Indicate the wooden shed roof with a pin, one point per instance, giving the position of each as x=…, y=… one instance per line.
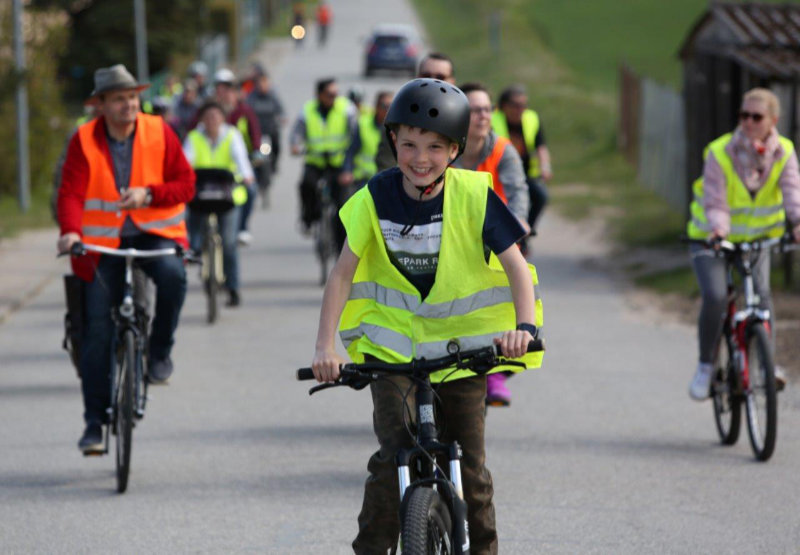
x=763, y=37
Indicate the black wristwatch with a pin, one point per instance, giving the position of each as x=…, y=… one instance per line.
x=530, y=328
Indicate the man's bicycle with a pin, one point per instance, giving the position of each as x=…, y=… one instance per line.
x=213, y=196
x=433, y=513
x=129, y=375
x=744, y=368
x=325, y=245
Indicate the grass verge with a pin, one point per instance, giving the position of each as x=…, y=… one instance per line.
x=13, y=221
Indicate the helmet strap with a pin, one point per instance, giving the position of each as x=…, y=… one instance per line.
x=423, y=190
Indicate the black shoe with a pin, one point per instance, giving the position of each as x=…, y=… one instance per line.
x=159, y=371
x=233, y=298
x=91, y=442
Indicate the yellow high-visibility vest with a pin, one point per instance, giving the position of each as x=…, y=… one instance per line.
x=751, y=218
x=470, y=301
x=530, y=127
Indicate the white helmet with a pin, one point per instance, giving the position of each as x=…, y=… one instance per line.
x=224, y=75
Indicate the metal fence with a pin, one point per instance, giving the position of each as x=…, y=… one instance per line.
x=652, y=136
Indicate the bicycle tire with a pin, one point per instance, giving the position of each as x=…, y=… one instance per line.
x=725, y=392
x=211, y=285
x=123, y=417
x=762, y=400
x=426, y=524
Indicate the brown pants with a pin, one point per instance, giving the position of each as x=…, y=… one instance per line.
x=462, y=420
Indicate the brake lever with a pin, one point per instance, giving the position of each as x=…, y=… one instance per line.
x=322, y=386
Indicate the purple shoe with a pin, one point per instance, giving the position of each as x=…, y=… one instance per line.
x=497, y=394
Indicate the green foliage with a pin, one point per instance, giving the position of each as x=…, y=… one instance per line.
x=103, y=34
x=47, y=122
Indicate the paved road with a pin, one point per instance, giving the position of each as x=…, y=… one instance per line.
x=601, y=452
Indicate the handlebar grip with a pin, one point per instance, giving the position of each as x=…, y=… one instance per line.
x=534, y=346
x=305, y=374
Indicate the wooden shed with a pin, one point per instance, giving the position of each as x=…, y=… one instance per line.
x=732, y=48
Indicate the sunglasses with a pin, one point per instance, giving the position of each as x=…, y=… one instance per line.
x=756, y=117
x=439, y=76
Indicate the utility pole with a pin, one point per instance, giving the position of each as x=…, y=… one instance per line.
x=23, y=164
x=140, y=20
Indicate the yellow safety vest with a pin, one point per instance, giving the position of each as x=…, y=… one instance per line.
x=206, y=157
x=470, y=300
x=751, y=218
x=244, y=128
x=327, y=135
x=530, y=127
x=365, y=165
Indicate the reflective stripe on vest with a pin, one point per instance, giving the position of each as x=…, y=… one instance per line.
x=751, y=218
x=102, y=220
x=470, y=301
x=491, y=163
x=530, y=128
x=365, y=165
x=221, y=157
x=328, y=135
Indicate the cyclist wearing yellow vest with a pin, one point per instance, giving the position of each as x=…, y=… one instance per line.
x=324, y=131
x=413, y=275
x=240, y=115
x=515, y=121
x=750, y=185
x=361, y=154
x=215, y=144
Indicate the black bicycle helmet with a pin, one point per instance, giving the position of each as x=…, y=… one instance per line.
x=430, y=104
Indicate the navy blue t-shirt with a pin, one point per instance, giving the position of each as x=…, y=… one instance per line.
x=416, y=254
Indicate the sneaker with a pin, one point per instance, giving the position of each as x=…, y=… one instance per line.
x=780, y=378
x=91, y=442
x=234, y=299
x=244, y=238
x=497, y=393
x=159, y=371
x=700, y=388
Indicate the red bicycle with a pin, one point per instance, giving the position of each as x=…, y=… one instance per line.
x=744, y=368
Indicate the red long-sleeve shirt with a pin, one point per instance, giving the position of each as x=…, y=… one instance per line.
x=178, y=186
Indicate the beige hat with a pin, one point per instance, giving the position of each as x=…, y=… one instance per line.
x=114, y=78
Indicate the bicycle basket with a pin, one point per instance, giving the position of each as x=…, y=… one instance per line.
x=213, y=191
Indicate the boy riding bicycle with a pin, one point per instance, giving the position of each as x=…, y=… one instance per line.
x=413, y=275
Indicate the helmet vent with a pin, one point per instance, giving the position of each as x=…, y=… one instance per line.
x=414, y=108
x=423, y=85
x=433, y=112
x=442, y=89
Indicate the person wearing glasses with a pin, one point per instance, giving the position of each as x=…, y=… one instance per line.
x=750, y=185
x=515, y=121
x=486, y=152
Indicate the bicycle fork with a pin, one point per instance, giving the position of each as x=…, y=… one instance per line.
x=429, y=447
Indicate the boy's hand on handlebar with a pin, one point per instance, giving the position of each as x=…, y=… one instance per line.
x=514, y=343
x=326, y=365
x=66, y=241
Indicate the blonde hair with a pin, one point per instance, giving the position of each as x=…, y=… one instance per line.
x=767, y=97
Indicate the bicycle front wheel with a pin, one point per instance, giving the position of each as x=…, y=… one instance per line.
x=426, y=524
x=725, y=392
x=123, y=414
x=762, y=401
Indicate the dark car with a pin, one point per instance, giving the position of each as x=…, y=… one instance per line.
x=392, y=47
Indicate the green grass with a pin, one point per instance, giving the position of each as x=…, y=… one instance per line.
x=12, y=220
x=567, y=53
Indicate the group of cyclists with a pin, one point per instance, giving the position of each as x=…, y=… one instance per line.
x=439, y=191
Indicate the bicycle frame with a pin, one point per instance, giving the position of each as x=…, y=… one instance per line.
x=738, y=322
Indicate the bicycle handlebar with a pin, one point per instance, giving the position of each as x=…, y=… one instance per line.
x=479, y=361
x=80, y=249
x=785, y=243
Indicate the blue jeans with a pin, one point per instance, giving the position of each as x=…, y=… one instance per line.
x=247, y=207
x=103, y=295
x=538, y=195
x=228, y=223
